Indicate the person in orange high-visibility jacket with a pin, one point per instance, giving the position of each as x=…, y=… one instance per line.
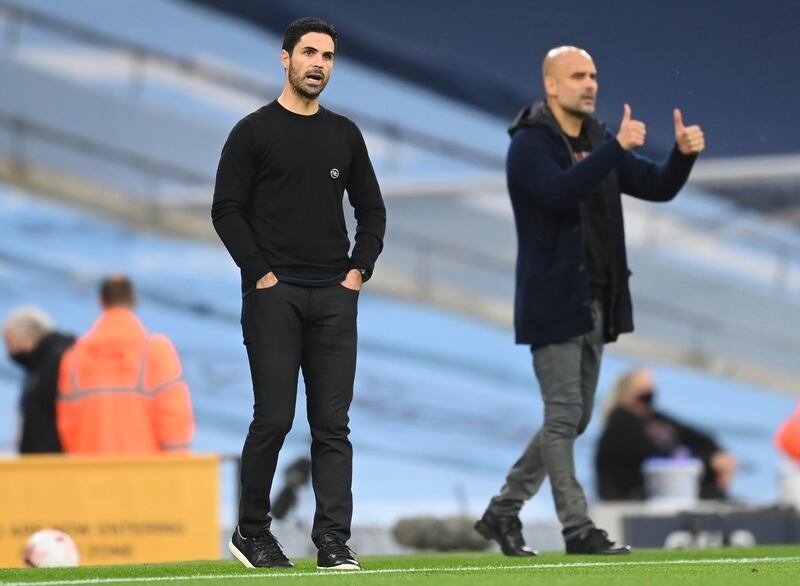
x=788, y=436
x=121, y=390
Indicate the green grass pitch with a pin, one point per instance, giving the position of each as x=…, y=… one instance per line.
x=724, y=567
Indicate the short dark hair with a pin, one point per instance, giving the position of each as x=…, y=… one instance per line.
x=117, y=291
x=305, y=25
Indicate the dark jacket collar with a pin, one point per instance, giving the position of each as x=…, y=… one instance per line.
x=52, y=344
x=539, y=114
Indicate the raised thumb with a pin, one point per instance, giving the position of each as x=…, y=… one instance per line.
x=626, y=113
x=678, y=119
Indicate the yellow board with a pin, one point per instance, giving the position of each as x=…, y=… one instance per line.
x=118, y=511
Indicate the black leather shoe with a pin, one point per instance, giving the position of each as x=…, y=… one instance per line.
x=261, y=551
x=595, y=541
x=334, y=554
x=507, y=531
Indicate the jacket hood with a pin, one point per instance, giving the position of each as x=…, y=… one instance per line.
x=539, y=114
x=51, y=345
x=55, y=343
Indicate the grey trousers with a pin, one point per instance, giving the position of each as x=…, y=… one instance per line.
x=567, y=374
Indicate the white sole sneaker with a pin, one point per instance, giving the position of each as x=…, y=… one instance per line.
x=239, y=555
x=342, y=567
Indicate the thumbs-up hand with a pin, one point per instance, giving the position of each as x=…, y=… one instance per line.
x=631, y=133
x=690, y=139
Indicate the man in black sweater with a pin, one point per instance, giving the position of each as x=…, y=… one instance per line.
x=37, y=348
x=278, y=210
x=566, y=173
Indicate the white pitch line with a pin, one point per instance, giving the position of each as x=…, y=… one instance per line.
x=319, y=574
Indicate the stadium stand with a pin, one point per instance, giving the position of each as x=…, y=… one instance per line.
x=412, y=454
x=125, y=117
x=155, y=124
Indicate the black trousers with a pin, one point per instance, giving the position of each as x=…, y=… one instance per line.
x=287, y=328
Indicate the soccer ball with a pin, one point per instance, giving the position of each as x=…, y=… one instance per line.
x=51, y=548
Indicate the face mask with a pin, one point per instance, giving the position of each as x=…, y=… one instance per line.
x=23, y=359
x=646, y=398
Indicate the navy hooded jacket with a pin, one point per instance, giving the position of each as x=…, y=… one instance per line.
x=546, y=185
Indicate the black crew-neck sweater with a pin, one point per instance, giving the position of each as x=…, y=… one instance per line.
x=278, y=197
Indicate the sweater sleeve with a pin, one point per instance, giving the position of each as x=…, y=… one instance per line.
x=238, y=165
x=651, y=181
x=625, y=439
x=534, y=169
x=364, y=194
x=700, y=444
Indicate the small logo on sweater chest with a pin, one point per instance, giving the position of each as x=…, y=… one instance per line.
x=334, y=173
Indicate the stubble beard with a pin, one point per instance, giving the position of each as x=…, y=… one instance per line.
x=296, y=81
x=577, y=113
x=575, y=110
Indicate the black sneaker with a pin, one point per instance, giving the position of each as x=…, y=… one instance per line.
x=507, y=531
x=261, y=551
x=595, y=541
x=334, y=554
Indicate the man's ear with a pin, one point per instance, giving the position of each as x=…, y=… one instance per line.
x=285, y=58
x=550, y=85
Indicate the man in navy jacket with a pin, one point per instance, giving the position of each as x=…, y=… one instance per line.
x=566, y=172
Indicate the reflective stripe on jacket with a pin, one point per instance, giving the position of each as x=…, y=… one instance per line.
x=121, y=391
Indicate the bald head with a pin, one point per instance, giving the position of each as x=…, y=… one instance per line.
x=570, y=83
x=552, y=64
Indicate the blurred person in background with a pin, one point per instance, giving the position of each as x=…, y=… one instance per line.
x=566, y=172
x=788, y=437
x=121, y=391
x=635, y=431
x=278, y=209
x=34, y=345
x=787, y=440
